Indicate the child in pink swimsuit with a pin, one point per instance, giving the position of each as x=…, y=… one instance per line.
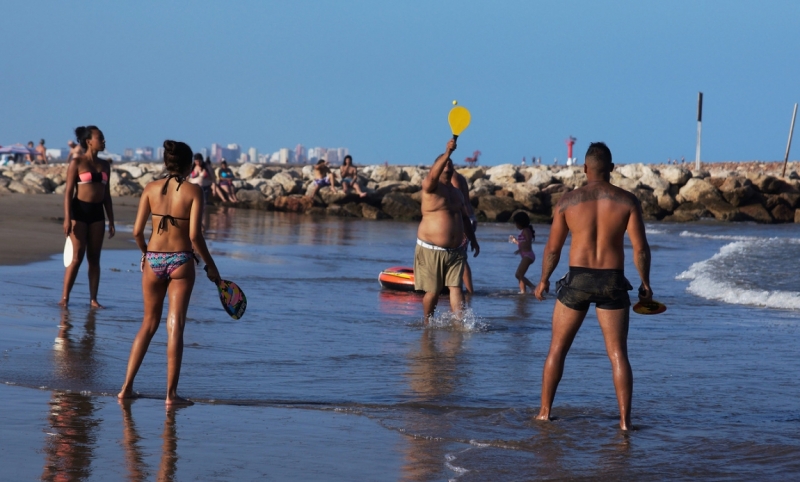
x=524, y=240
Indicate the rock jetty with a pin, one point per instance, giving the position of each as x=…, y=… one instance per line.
x=741, y=191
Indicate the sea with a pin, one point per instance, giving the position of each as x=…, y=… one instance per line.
x=716, y=386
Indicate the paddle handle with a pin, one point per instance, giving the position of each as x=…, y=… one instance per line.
x=455, y=137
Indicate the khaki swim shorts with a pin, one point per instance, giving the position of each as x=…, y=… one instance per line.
x=435, y=267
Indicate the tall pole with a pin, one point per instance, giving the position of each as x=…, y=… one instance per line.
x=699, y=129
x=789, y=144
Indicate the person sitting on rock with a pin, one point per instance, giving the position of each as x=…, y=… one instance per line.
x=349, y=175
x=323, y=176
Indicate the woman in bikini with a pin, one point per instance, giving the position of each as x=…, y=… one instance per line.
x=86, y=197
x=524, y=240
x=349, y=175
x=168, y=263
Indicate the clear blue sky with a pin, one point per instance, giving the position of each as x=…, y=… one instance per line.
x=379, y=77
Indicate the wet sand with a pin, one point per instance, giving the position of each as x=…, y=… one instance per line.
x=31, y=226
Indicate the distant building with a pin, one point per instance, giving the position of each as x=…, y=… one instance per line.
x=317, y=153
x=285, y=155
x=300, y=154
x=204, y=152
x=142, y=154
x=230, y=153
x=160, y=154
x=244, y=157
x=127, y=154
x=252, y=154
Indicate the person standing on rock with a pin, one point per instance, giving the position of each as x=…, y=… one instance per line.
x=460, y=182
x=441, y=254
x=86, y=195
x=597, y=215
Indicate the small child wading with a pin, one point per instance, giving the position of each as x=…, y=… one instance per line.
x=524, y=240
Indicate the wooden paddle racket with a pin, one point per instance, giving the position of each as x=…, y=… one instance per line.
x=649, y=307
x=459, y=119
x=233, y=300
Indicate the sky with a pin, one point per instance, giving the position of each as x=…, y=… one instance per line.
x=380, y=77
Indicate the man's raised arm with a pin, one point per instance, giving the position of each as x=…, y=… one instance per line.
x=431, y=181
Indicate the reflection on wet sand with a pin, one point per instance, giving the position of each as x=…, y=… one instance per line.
x=432, y=376
x=134, y=458
x=74, y=359
x=69, y=447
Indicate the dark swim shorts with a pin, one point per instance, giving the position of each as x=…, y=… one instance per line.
x=606, y=288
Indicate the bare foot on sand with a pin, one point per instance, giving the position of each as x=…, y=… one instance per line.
x=127, y=394
x=177, y=401
x=95, y=304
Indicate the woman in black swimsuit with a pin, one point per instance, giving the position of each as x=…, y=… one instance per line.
x=86, y=196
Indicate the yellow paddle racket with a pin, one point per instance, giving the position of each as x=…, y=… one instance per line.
x=459, y=119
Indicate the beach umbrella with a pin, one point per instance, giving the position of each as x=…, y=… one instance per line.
x=17, y=149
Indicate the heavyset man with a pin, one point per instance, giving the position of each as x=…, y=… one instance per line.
x=442, y=235
x=597, y=215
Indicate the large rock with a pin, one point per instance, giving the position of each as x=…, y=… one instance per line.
x=401, y=206
x=248, y=170
x=782, y=214
x=386, y=173
x=39, y=182
x=651, y=210
x=329, y=197
x=498, y=208
x=739, y=195
x=472, y=174
x=771, y=185
x=578, y=179
x=272, y=189
x=527, y=195
x=23, y=188
x=145, y=179
x=653, y=180
x=631, y=171
x=503, y=174
x=287, y=181
x=796, y=215
x=541, y=179
x=666, y=201
x=134, y=170
x=625, y=183
x=756, y=212
x=688, y=212
x=676, y=176
x=293, y=204
x=386, y=187
x=721, y=210
x=697, y=190
x=251, y=196
x=371, y=212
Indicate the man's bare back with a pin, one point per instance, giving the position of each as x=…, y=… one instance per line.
x=597, y=215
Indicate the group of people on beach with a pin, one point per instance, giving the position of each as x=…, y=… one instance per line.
x=168, y=258
x=597, y=216
x=215, y=183
x=348, y=174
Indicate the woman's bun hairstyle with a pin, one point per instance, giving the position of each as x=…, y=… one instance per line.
x=83, y=134
x=177, y=156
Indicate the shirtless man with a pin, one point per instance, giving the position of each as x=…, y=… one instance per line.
x=323, y=176
x=75, y=150
x=460, y=183
x=441, y=254
x=597, y=215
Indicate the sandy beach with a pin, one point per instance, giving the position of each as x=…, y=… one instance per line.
x=31, y=226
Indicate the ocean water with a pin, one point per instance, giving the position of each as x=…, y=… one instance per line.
x=715, y=377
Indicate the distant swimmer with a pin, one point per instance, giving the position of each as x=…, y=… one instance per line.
x=597, y=215
x=442, y=236
x=168, y=263
x=460, y=182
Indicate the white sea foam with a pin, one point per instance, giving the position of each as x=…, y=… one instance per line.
x=727, y=237
x=708, y=281
x=651, y=230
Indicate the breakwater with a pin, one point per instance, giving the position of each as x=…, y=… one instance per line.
x=733, y=192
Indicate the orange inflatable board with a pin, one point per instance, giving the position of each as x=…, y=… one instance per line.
x=398, y=278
